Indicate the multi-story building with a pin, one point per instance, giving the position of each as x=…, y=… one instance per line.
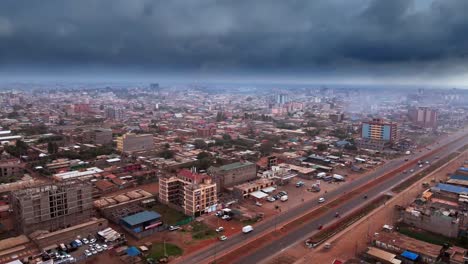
x=193, y=193
x=423, y=116
x=134, y=142
x=233, y=174
x=282, y=99
x=377, y=133
x=206, y=131
x=9, y=168
x=98, y=136
x=113, y=113
x=52, y=207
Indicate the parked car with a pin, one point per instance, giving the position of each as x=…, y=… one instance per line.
x=174, y=228
x=85, y=241
x=222, y=238
x=219, y=214
x=220, y=229
x=299, y=184
x=88, y=253
x=258, y=204
x=271, y=199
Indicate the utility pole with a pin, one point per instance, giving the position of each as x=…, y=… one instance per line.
x=165, y=253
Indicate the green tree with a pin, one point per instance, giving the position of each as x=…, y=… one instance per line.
x=266, y=148
x=167, y=154
x=200, y=144
x=322, y=147
x=203, y=155
x=227, y=137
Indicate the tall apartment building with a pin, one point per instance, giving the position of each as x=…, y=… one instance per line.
x=282, y=99
x=194, y=193
x=233, y=174
x=98, y=136
x=52, y=207
x=423, y=116
x=114, y=113
x=135, y=142
x=377, y=133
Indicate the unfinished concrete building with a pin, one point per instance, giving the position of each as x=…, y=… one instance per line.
x=52, y=207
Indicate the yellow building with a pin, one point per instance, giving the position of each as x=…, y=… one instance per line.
x=133, y=142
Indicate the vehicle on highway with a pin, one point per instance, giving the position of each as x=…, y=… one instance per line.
x=420, y=165
x=405, y=171
x=321, y=200
x=320, y=227
x=284, y=198
x=247, y=229
x=365, y=196
x=220, y=229
x=222, y=238
x=427, y=162
x=406, y=159
x=412, y=170
x=337, y=214
x=173, y=228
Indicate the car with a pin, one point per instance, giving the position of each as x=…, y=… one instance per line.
x=219, y=214
x=270, y=199
x=222, y=238
x=88, y=253
x=220, y=229
x=105, y=247
x=224, y=217
x=94, y=252
x=228, y=218
x=321, y=200
x=427, y=162
x=299, y=184
x=174, y=228
x=92, y=240
x=258, y=204
x=99, y=249
x=412, y=170
x=405, y=171
x=420, y=165
x=85, y=241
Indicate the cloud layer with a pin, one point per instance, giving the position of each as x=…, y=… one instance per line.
x=404, y=36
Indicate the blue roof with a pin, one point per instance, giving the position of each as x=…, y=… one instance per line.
x=451, y=188
x=133, y=251
x=141, y=217
x=410, y=255
x=459, y=177
x=463, y=169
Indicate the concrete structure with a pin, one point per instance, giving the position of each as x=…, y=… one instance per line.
x=336, y=117
x=52, y=207
x=98, y=136
x=9, y=168
x=193, y=193
x=233, y=174
x=282, y=99
x=73, y=175
x=423, y=116
x=206, y=131
x=134, y=142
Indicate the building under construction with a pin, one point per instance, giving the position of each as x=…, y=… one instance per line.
x=52, y=207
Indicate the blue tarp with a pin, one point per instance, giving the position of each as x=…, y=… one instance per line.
x=451, y=188
x=463, y=169
x=410, y=255
x=133, y=251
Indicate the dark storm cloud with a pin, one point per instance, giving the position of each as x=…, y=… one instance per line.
x=261, y=34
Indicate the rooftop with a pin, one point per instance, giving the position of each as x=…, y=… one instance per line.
x=451, y=188
x=140, y=218
x=235, y=165
x=407, y=243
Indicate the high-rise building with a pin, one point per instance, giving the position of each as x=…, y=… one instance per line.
x=423, y=116
x=113, y=113
x=98, y=136
x=282, y=99
x=135, y=142
x=376, y=134
x=378, y=129
x=52, y=207
x=194, y=193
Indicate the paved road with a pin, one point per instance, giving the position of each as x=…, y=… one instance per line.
x=218, y=249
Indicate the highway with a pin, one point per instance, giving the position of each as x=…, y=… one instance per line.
x=209, y=254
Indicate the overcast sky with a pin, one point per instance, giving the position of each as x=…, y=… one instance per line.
x=365, y=40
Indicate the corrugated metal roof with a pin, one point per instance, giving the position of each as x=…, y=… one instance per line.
x=459, y=177
x=451, y=188
x=235, y=165
x=141, y=217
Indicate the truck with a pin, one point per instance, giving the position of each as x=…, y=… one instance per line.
x=338, y=177
x=321, y=175
x=284, y=198
x=247, y=229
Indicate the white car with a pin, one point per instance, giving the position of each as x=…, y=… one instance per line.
x=225, y=217
x=85, y=241
x=222, y=238
x=104, y=246
x=94, y=252
x=321, y=200
x=174, y=228
x=220, y=229
x=92, y=240
x=87, y=253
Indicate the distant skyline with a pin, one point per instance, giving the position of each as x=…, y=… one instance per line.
x=301, y=41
